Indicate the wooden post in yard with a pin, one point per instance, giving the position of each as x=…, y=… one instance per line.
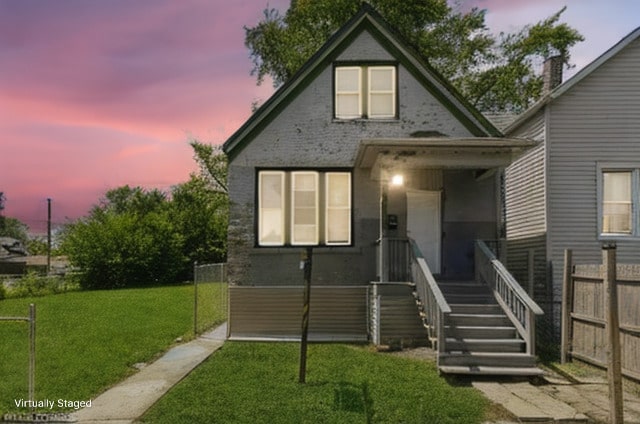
x=306, y=265
x=614, y=357
x=567, y=307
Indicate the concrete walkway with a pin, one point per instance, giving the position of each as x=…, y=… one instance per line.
x=556, y=399
x=130, y=399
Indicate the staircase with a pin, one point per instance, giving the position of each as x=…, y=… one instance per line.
x=479, y=337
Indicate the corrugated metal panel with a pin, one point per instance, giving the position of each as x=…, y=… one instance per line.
x=596, y=120
x=337, y=313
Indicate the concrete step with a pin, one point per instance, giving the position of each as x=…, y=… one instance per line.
x=478, y=332
x=485, y=370
x=485, y=345
x=485, y=320
x=488, y=359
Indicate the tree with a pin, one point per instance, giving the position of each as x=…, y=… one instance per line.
x=128, y=239
x=493, y=73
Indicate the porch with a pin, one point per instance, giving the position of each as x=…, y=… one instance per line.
x=481, y=326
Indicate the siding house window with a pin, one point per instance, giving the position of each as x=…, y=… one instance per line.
x=619, y=200
x=304, y=208
x=365, y=92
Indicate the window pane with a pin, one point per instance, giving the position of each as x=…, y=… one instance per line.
x=381, y=79
x=382, y=96
x=338, y=208
x=348, y=99
x=616, y=205
x=304, y=227
x=271, y=208
x=348, y=106
x=381, y=106
x=348, y=79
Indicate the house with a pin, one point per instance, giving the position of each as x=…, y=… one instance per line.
x=371, y=157
x=580, y=186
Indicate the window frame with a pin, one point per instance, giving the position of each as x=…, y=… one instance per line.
x=634, y=169
x=365, y=90
x=260, y=208
x=288, y=215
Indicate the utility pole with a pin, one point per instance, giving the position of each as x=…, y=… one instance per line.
x=48, y=235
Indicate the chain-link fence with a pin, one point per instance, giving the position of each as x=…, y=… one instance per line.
x=210, y=296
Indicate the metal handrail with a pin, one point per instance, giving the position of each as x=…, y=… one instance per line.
x=435, y=308
x=513, y=299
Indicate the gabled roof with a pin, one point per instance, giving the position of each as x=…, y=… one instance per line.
x=571, y=82
x=366, y=19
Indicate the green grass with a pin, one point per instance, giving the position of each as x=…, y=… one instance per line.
x=257, y=383
x=87, y=341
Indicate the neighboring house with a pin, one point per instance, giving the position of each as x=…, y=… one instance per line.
x=314, y=166
x=580, y=187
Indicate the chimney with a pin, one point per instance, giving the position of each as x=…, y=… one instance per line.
x=552, y=73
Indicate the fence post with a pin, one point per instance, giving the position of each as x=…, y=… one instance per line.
x=195, y=299
x=32, y=353
x=614, y=361
x=307, y=262
x=567, y=307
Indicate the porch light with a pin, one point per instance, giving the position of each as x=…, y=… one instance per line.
x=397, y=180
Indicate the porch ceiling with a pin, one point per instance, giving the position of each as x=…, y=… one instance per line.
x=423, y=153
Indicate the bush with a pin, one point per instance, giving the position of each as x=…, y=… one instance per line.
x=33, y=285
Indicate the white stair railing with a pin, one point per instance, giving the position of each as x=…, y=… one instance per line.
x=434, y=307
x=513, y=299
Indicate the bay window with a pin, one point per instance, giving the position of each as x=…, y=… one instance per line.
x=303, y=208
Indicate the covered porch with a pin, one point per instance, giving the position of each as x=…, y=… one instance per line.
x=438, y=198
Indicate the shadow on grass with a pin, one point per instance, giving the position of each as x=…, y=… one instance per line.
x=353, y=398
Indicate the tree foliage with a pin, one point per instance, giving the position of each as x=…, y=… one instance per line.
x=493, y=73
x=138, y=237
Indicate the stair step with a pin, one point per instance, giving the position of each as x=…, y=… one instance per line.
x=478, y=332
x=485, y=345
x=471, y=308
x=489, y=359
x=481, y=299
x=485, y=370
x=486, y=320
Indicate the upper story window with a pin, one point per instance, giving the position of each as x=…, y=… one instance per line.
x=365, y=92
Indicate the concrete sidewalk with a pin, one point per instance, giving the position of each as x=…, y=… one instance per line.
x=130, y=399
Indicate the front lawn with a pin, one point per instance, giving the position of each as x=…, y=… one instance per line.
x=257, y=383
x=89, y=340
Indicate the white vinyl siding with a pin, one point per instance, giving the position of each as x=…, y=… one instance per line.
x=304, y=208
x=338, y=208
x=365, y=92
x=271, y=208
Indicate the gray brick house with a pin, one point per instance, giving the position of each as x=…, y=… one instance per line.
x=363, y=148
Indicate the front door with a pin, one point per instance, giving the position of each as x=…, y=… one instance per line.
x=423, y=225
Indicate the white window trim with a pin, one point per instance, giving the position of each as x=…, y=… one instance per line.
x=282, y=208
x=392, y=92
x=634, y=168
x=348, y=93
x=294, y=241
x=326, y=214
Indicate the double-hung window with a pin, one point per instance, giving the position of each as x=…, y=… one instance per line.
x=304, y=208
x=367, y=92
x=618, y=201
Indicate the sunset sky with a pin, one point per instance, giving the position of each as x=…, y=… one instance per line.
x=95, y=94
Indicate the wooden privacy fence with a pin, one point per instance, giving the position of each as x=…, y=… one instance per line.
x=585, y=312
